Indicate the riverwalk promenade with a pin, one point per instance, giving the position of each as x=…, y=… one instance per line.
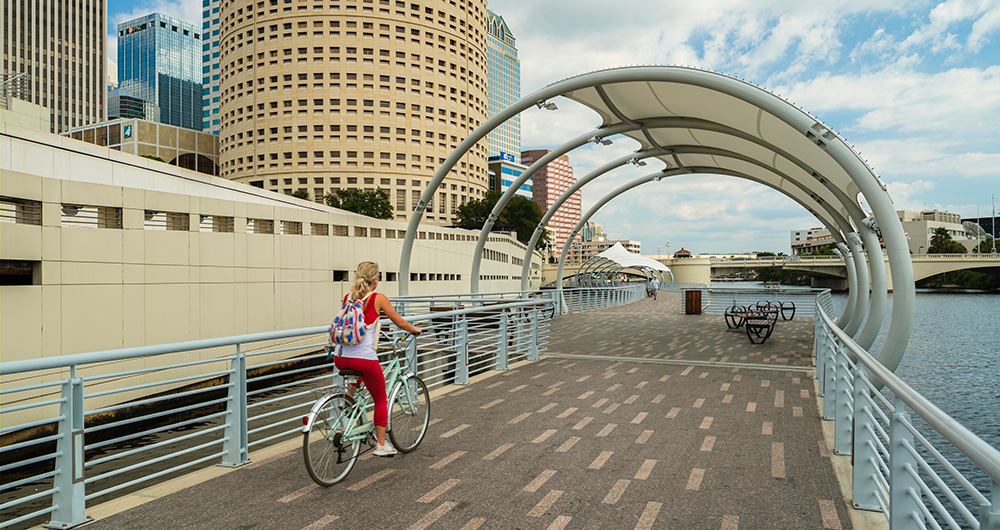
x=635, y=417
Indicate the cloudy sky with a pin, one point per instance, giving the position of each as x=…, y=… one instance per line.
x=913, y=84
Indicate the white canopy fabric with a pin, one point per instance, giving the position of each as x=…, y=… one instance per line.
x=619, y=255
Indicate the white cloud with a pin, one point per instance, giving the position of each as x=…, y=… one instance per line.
x=941, y=19
x=186, y=10
x=905, y=195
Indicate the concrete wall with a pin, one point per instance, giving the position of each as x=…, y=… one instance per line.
x=106, y=288
x=26, y=114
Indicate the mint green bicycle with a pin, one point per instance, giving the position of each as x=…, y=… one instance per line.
x=338, y=424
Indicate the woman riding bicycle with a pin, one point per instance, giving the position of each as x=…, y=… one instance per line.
x=362, y=356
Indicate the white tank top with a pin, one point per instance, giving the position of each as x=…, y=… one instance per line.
x=366, y=348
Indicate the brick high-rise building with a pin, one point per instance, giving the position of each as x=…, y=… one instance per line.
x=323, y=96
x=549, y=183
x=56, y=50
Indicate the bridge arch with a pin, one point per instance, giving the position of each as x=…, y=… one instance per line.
x=928, y=266
x=629, y=100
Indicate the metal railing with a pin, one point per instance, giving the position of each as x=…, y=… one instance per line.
x=88, y=427
x=13, y=86
x=904, y=466
x=716, y=301
x=577, y=299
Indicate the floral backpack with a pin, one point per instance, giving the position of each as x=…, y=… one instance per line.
x=349, y=326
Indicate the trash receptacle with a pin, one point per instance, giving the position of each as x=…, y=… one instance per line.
x=692, y=302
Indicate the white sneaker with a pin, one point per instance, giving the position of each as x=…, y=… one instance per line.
x=384, y=450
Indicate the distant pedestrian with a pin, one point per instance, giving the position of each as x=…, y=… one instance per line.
x=654, y=286
x=362, y=356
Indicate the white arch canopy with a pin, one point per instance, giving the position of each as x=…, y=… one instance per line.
x=618, y=254
x=698, y=121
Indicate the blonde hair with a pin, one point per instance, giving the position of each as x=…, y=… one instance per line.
x=366, y=273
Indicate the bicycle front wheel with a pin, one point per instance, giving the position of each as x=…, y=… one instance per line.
x=409, y=414
x=328, y=457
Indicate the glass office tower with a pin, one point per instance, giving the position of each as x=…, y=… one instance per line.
x=159, y=60
x=210, y=66
x=503, y=87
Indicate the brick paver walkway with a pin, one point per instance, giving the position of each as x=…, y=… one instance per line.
x=633, y=436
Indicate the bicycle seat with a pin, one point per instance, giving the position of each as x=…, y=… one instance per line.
x=350, y=373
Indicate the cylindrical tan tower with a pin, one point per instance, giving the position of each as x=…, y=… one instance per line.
x=323, y=96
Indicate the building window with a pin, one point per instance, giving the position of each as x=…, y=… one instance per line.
x=260, y=226
x=91, y=216
x=155, y=220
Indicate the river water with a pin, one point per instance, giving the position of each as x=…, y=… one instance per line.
x=953, y=357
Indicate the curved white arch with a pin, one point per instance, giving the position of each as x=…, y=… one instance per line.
x=648, y=92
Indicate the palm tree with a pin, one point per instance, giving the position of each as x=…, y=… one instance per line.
x=940, y=241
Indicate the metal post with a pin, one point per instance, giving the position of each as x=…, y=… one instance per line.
x=865, y=453
x=844, y=411
x=830, y=378
x=819, y=345
x=69, y=500
x=236, y=447
x=411, y=356
x=502, y=338
x=903, y=510
x=989, y=518
x=462, y=362
x=533, y=347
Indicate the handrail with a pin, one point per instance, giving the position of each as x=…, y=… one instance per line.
x=63, y=361
x=966, y=441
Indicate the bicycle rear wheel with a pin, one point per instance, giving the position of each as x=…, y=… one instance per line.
x=328, y=458
x=409, y=414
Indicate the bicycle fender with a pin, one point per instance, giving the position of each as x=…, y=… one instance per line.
x=309, y=418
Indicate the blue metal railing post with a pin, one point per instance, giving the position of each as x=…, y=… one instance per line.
x=462, y=362
x=502, y=337
x=533, y=346
x=68, y=499
x=865, y=453
x=844, y=411
x=237, y=447
x=903, y=510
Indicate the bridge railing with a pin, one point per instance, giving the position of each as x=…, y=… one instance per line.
x=716, y=301
x=84, y=428
x=912, y=461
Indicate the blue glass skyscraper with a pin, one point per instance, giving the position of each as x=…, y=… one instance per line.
x=159, y=61
x=503, y=86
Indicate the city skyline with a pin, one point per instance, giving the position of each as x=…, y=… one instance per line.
x=907, y=83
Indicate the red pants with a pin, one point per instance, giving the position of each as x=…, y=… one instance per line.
x=374, y=381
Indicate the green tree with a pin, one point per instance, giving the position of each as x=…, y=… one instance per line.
x=371, y=203
x=151, y=157
x=941, y=243
x=986, y=246
x=301, y=194
x=521, y=213
x=476, y=211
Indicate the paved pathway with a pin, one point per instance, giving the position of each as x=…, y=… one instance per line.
x=625, y=433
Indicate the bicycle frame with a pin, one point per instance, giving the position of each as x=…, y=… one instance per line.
x=358, y=427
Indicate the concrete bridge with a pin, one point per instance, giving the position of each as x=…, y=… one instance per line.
x=829, y=272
